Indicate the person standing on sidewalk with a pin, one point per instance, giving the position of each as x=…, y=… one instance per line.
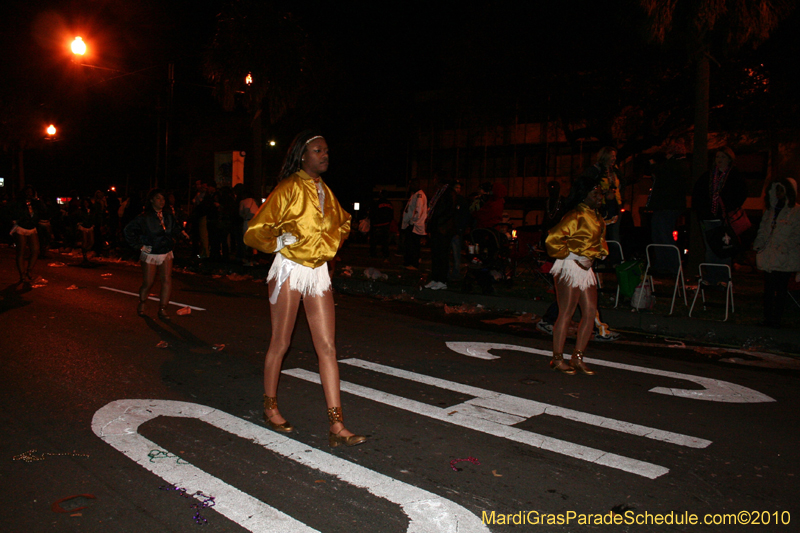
x=304, y=225
x=381, y=214
x=605, y=169
x=413, y=225
x=462, y=220
x=778, y=247
x=575, y=242
x=441, y=228
x=716, y=194
x=668, y=202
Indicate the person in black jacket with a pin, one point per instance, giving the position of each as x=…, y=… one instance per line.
x=716, y=194
x=154, y=233
x=381, y=214
x=441, y=227
x=26, y=215
x=668, y=202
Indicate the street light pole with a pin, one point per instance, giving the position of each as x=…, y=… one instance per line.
x=78, y=47
x=171, y=75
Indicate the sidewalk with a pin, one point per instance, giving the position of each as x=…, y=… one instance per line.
x=527, y=294
x=530, y=295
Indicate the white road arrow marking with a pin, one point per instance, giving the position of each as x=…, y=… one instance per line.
x=713, y=390
x=117, y=423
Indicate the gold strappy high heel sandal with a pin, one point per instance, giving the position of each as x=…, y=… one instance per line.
x=576, y=362
x=162, y=313
x=270, y=403
x=559, y=364
x=334, y=440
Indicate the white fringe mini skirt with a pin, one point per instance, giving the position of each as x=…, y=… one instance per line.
x=569, y=272
x=22, y=231
x=306, y=280
x=155, y=259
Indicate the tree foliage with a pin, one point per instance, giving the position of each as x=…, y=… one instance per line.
x=726, y=24
x=257, y=37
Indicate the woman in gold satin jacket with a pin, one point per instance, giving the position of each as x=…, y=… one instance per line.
x=304, y=225
x=575, y=242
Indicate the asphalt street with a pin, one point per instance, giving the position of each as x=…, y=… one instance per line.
x=469, y=430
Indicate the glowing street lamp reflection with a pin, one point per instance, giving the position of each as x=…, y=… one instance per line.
x=51, y=130
x=78, y=46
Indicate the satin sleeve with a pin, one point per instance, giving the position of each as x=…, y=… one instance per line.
x=265, y=227
x=580, y=233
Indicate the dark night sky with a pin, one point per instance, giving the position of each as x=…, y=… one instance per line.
x=382, y=54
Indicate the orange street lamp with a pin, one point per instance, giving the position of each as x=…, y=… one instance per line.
x=51, y=131
x=78, y=46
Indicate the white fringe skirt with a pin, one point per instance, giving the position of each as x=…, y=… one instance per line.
x=569, y=272
x=155, y=259
x=22, y=231
x=306, y=280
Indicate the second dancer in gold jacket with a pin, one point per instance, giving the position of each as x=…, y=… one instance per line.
x=576, y=242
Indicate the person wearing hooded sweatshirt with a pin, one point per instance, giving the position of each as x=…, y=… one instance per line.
x=491, y=212
x=778, y=247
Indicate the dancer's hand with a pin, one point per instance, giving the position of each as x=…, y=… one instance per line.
x=285, y=240
x=147, y=249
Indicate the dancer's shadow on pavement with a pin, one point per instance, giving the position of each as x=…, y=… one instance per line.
x=11, y=296
x=178, y=337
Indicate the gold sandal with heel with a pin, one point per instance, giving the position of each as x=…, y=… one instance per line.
x=270, y=403
x=334, y=440
x=577, y=364
x=558, y=363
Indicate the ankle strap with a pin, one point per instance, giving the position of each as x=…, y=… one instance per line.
x=270, y=402
x=335, y=415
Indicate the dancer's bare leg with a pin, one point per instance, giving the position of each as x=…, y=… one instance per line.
x=22, y=246
x=568, y=298
x=588, y=303
x=165, y=275
x=283, y=315
x=148, y=279
x=33, y=241
x=321, y=316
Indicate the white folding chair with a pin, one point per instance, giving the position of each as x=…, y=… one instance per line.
x=678, y=276
x=615, y=257
x=701, y=288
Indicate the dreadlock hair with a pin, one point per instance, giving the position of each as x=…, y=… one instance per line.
x=604, y=155
x=580, y=189
x=294, y=156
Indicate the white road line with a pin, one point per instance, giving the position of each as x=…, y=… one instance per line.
x=154, y=298
x=713, y=390
x=495, y=428
x=117, y=424
x=524, y=408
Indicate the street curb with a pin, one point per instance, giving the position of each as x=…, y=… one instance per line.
x=690, y=329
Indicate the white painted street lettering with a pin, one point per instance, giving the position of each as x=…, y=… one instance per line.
x=493, y=423
x=713, y=390
x=117, y=424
